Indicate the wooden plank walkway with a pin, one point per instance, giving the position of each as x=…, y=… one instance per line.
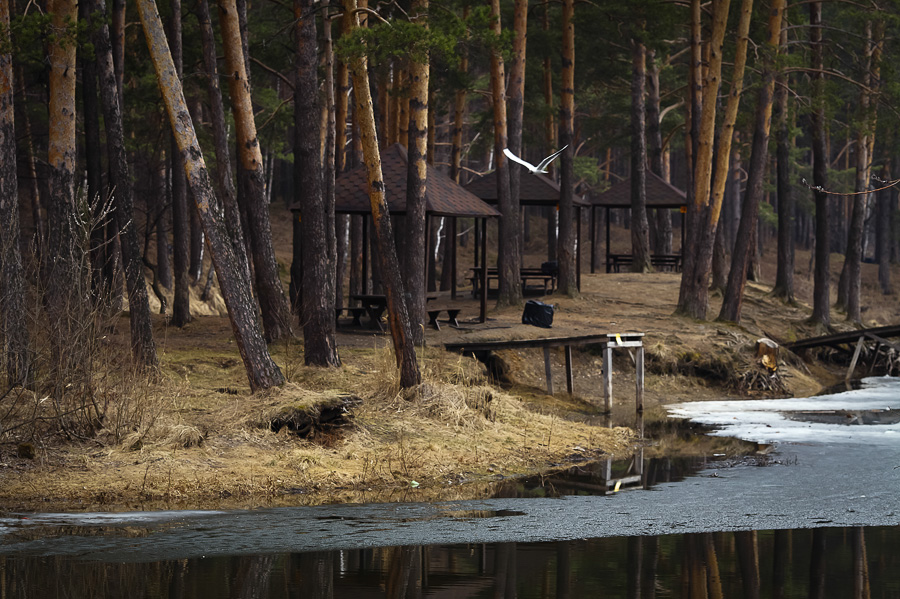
x=848, y=338
x=609, y=341
x=859, y=337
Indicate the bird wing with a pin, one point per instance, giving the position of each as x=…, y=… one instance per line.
x=546, y=161
x=515, y=158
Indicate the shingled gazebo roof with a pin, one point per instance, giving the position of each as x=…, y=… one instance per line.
x=534, y=190
x=659, y=194
x=443, y=196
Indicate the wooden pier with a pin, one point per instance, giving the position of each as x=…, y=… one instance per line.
x=609, y=342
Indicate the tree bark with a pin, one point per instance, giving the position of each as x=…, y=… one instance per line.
x=317, y=212
x=640, y=233
x=784, y=274
x=417, y=248
x=66, y=296
x=709, y=184
x=13, y=316
x=663, y=242
x=181, y=218
x=568, y=276
x=883, y=232
x=516, y=91
x=143, y=347
x=398, y=315
x=821, y=279
x=849, y=283
x=269, y=291
x=224, y=175
x=262, y=372
x=510, y=254
x=759, y=159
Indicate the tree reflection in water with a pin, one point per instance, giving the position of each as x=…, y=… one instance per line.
x=834, y=562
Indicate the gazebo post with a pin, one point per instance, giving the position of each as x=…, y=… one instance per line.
x=484, y=277
x=578, y=252
x=365, y=254
x=607, y=239
x=451, y=239
x=593, y=238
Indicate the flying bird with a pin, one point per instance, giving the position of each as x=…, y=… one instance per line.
x=541, y=167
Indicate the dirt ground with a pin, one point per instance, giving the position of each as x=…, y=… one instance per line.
x=196, y=438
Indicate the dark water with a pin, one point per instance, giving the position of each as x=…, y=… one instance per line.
x=823, y=562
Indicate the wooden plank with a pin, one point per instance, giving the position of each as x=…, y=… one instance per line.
x=607, y=379
x=639, y=381
x=547, y=372
x=843, y=338
x=859, y=346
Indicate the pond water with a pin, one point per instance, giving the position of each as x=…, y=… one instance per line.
x=822, y=562
x=822, y=519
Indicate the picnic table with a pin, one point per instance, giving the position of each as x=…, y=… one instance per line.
x=526, y=274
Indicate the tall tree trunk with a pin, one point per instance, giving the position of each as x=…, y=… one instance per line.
x=550, y=138
x=510, y=254
x=181, y=217
x=640, y=233
x=821, y=282
x=13, y=316
x=262, y=372
x=694, y=299
x=568, y=276
x=93, y=165
x=143, y=347
x=40, y=229
x=63, y=277
x=663, y=243
x=317, y=212
x=883, y=231
x=759, y=159
x=459, y=112
x=224, y=175
x=272, y=301
x=849, y=283
x=398, y=315
x=784, y=274
x=417, y=247
x=516, y=92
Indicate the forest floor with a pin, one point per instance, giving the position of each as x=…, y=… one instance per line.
x=197, y=438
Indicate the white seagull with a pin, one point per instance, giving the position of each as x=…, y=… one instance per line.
x=540, y=168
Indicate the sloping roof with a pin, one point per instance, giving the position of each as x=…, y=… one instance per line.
x=534, y=190
x=443, y=196
x=659, y=194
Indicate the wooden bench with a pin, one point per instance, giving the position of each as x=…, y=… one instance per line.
x=434, y=313
x=668, y=262
x=356, y=312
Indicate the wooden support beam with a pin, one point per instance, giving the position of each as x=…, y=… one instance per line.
x=547, y=372
x=570, y=379
x=607, y=378
x=859, y=346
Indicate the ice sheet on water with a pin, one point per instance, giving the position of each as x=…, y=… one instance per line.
x=782, y=420
x=9, y=522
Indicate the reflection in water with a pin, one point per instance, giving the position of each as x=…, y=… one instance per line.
x=860, y=563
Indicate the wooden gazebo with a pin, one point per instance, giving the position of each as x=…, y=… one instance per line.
x=660, y=194
x=443, y=198
x=534, y=190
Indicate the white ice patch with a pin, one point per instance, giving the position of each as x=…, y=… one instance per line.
x=767, y=421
